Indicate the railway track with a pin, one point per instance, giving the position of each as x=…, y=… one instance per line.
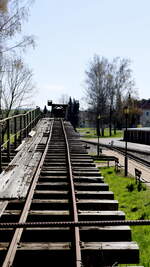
x=134, y=155
x=138, y=157
x=66, y=189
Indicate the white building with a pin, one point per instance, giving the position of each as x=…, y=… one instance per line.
x=145, y=116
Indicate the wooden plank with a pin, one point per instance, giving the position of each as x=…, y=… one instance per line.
x=95, y=195
x=100, y=215
x=111, y=246
x=59, y=201
x=15, y=180
x=51, y=192
x=49, y=212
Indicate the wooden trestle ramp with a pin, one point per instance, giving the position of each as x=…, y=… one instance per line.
x=66, y=190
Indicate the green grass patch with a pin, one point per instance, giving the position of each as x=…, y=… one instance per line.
x=91, y=133
x=12, y=139
x=135, y=204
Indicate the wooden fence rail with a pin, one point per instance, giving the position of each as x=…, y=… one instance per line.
x=14, y=129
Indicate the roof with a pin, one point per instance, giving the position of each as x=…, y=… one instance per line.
x=146, y=105
x=145, y=129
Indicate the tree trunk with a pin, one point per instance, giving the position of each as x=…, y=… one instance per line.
x=102, y=128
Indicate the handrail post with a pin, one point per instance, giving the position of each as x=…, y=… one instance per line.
x=27, y=127
x=15, y=132
x=30, y=116
x=24, y=126
x=8, y=140
x=34, y=117
x=3, y=133
x=37, y=114
x=20, y=138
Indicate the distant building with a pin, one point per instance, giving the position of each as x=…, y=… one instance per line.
x=87, y=119
x=145, y=116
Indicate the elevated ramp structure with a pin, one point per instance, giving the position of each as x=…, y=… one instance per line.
x=58, y=215
x=58, y=110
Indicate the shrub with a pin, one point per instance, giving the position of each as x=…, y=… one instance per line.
x=130, y=187
x=143, y=216
x=134, y=209
x=141, y=187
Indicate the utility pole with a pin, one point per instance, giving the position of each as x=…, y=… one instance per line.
x=126, y=112
x=98, y=133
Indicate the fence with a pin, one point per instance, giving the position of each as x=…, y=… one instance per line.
x=14, y=129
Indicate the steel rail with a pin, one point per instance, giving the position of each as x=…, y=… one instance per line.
x=121, y=151
x=132, y=156
x=78, y=259
x=74, y=224
x=18, y=232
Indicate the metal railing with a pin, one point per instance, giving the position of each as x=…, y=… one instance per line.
x=14, y=129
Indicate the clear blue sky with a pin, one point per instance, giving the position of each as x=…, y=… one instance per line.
x=68, y=34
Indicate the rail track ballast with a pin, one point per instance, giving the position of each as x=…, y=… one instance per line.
x=66, y=189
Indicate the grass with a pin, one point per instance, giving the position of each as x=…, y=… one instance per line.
x=135, y=204
x=12, y=139
x=91, y=133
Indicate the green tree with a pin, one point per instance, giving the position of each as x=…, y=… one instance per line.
x=73, y=112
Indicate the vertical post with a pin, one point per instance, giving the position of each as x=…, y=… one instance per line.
x=20, y=138
x=33, y=119
x=110, y=121
x=98, y=147
x=8, y=140
x=126, y=111
x=24, y=125
x=27, y=124
x=126, y=158
x=36, y=115
x=98, y=133
x=34, y=122
x=30, y=120
x=15, y=132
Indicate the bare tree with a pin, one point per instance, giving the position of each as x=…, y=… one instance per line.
x=64, y=99
x=17, y=85
x=97, y=87
x=124, y=85
x=96, y=84
x=12, y=15
x=107, y=84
